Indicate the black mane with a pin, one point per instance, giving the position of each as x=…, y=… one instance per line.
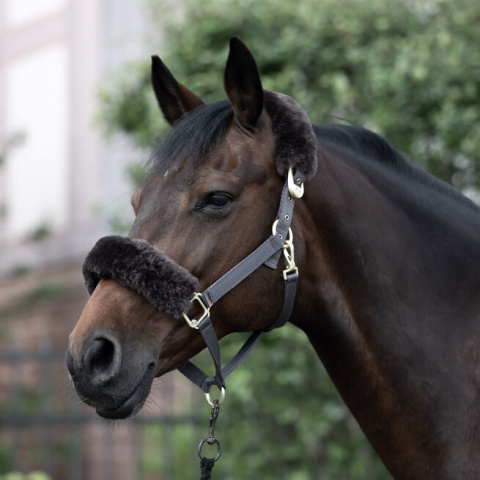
x=373, y=147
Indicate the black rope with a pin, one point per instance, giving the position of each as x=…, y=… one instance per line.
x=207, y=465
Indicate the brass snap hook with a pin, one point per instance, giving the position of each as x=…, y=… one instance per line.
x=210, y=438
x=289, y=256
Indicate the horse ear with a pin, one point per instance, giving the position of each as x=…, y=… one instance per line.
x=243, y=85
x=173, y=98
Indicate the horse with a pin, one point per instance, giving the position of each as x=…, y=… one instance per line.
x=388, y=262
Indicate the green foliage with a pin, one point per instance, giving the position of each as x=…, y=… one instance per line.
x=136, y=174
x=48, y=290
x=177, y=443
x=409, y=70
x=20, y=476
x=20, y=271
x=283, y=419
x=41, y=232
x=127, y=105
x=6, y=146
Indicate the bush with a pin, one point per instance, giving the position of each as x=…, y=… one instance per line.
x=30, y=476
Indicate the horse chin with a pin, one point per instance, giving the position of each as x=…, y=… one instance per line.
x=133, y=402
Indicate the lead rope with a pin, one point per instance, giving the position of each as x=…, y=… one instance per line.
x=206, y=463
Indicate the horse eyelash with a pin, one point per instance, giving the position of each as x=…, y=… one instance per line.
x=203, y=203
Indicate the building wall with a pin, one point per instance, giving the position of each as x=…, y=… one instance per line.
x=62, y=179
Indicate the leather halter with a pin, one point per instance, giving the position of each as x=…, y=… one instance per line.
x=268, y=253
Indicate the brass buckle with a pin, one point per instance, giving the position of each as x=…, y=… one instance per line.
x=289, y=254
x=296, y=188
x=274, y=232
x=194, y=323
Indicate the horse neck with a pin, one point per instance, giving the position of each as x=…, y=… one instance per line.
x=382, y=286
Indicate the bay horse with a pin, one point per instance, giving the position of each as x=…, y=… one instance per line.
x=388, y=260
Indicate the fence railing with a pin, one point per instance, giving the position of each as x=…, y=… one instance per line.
x=44, y=427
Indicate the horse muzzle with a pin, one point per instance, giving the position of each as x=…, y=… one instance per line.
x=116, y=388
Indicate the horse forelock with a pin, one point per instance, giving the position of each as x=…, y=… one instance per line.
x=195, y=136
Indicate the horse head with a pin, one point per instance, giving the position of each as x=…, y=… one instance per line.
x=209, y=200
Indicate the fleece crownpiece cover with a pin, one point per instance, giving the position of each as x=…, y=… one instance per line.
x=295, y=140
x=136, y=264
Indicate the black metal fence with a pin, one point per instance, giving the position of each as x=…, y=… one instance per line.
x=44, y=427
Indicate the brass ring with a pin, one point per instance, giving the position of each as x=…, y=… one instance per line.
x=274, y=231
x=220, y=400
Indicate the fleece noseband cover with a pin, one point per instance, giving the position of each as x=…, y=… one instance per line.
x=136, y=264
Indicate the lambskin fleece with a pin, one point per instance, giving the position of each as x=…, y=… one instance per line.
x=138, y=265
x=295, y=140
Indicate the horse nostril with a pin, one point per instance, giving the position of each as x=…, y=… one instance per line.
x=102, y=359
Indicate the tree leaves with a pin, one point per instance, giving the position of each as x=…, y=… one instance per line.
x=408, y=70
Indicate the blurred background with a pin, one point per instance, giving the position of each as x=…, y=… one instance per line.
x=77, y=121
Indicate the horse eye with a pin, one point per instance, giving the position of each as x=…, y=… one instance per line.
x=217, y=199
x=214, y=201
